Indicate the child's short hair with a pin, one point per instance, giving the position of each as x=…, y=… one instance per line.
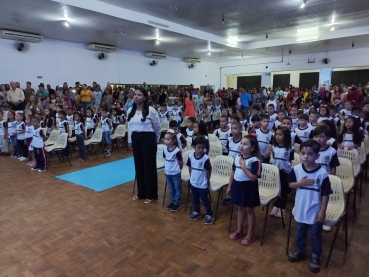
x=173, y=124
x=237, y=124
x=256, y=107
x=354, y=109
x=303, y=116
x=315, y=113
x=332, y=107
x=1, y=112
x=104, y=110
x=224, y=117
x=312, y=144
x=192, y=119
x=287, y=118
x=255, y=118
x=243, y=113
x=32, y=118
x=235, y=116
x=59, y=106
x=322, y=129
x=365, y=103
x=199, y=140
x=68, y=109
x=271, y=105
x=62, y=113
x=293, y=106
x=282, y=111
x=264, y=116
x=89, y=109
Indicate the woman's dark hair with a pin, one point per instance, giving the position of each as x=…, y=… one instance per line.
x=234, y=111
x=29, y=83
x=48, y=122
x=81, y=118
x=201, y=129
x=327, y=111
x=322, y=129
x=356, y=135
x=145, y=108
x=287, y=141
x=254, y=143
x=189, y=92
x=332, y=126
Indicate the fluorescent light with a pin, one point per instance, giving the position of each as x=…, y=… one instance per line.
x=66, y=23
x=307, y=38
x=307, y=31
x=332, y=29
x=157, y=42
x=333, y=18
x=209, y=53
x=232, y=40
x=303, y=4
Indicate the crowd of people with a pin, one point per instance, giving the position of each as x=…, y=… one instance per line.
x=316, y=121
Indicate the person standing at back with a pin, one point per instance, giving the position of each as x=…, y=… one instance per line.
x=245, y=101
x=15, y=97
x=86, y=98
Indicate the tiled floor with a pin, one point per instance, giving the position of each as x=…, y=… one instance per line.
x=52, y=228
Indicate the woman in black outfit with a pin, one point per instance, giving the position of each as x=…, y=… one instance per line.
x=232, y=101
x=144, y=129
x=162, y=97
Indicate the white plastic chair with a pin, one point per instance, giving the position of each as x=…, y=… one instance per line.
x=53, y=138
x=213, y=138
x=164, y=125
x=244, y=133
x=173, y=118
x=96, y=140
x=216, y=116
x=334, y=214
x=58, y=147
x=184, y=122
x=296, y=159
x=353, y=156
x=297, y=148
x=221, y=170
x=215, y=150
x=269, y=190
x=119, y=133
x=188, y=146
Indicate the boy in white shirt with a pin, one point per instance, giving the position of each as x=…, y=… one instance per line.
x=312, y=186
x=200, y=170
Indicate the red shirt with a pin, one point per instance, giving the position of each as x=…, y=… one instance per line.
x=355, y=96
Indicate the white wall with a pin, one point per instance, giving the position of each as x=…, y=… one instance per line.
x=58, y=61
x=298, y=63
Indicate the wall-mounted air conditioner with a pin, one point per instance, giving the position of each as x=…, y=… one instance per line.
x=153, y=55
x=101, y=48
x=191, y=60
x=19, y=36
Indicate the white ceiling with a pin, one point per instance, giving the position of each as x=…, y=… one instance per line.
x=194, y=27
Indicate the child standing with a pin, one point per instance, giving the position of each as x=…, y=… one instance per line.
x=106, y=126
x=324, y=113
x=173, y=166
x=3, y=139
x=294, y=117
x=350, y=136
x=190, y=122
x=281, y=114
x=264, y=137
x=304, y=131
x=272, y=116
x=200, y=170
x=20, y=133
x=70, y=119
x=199, y=129
x=182, y=142
x=313, y=118
x=332, y=141
x=64, y=128
x=255, y=124
x=243, y=183
x=91, y=122
x=115, y=119
x=312, y=194
x=28, y=141
x=80, y=136
x=49, y=120
x=38, y=145
x=11, y=127
x=287, y=122
x=283, y=154
x=223, y=133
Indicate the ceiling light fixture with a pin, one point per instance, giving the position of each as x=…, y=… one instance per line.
x=332, y=29
x=209, y=53
x=333, y=18
x=307, y=31
x=232, y=41
x=66, y=24
x=303, y=4
x=307, y=38
x=157, y=42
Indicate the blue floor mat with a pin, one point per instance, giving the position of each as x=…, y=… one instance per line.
x=102, y=177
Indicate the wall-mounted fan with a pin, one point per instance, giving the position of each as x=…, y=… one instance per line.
x=22, y=46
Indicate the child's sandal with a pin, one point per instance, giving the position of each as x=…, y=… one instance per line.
x=247, y=241
x=236, y=236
